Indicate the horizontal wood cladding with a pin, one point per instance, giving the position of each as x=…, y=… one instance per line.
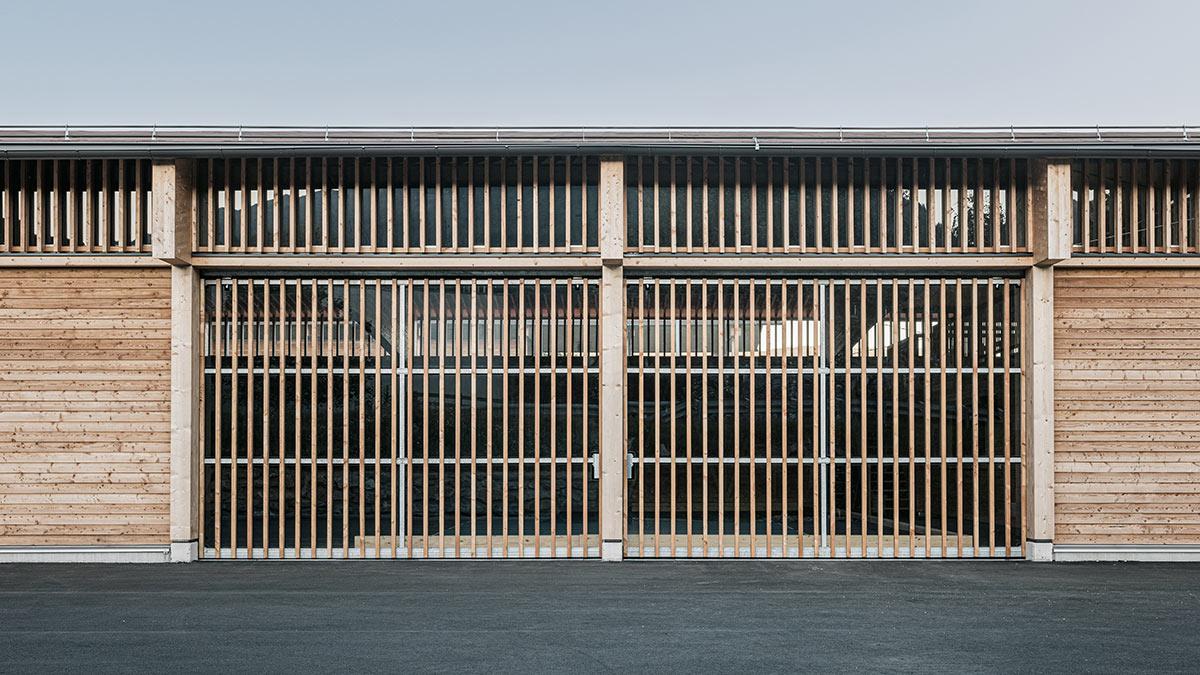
x=385, y=205
x=827, y=205
x=1127, y=407
x=74, y=206
x=1136, y=206
x=84, y=406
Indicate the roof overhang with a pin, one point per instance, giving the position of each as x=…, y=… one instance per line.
x=183, y=141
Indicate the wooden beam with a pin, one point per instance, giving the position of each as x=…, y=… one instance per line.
x=1143, y=261
x=185, y=413
x=119, y=260
x=853, y=262
x=1039, y=406
x=429, y=262
x=612, y=211
x=1052, y=227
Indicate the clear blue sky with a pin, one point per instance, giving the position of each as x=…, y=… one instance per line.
x=738, y=62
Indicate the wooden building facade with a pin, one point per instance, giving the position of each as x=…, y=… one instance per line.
x=599, y=343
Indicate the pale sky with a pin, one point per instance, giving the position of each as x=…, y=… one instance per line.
x=733, y=63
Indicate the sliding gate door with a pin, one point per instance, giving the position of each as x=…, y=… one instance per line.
x=387, y=417
x=788, y=417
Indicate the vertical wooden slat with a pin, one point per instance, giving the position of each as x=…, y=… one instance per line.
x=522, y=287
x=895, y=321
x=847, y=365
x=552, y=497
x=345, y=345
x=442, y=325
x=410, y=329
x=457, y=326
x=569, y=312
x=396, y=428
x=588, y=349
x=784, y=347
x=376, y=432
x=991, y=412
x=426, y=328
x=706, y=349
x=235, y=346
x=330, y=346
x=297, y=352
x=879, y=406
x=489, y=453
x=822, y=371
x=723, y=346
x=251, y=358
x=926, y=345
x=313, y=351
x=644, y=336
x=472, y=396
x=506, y=345
x=673, y=400
x=975, y=339
x=738, y=351
x=1085, y=205
x=674, y=213
x=54, y=238
x=958, y=419
x=943, y=411
x=1006, y=349
x=912, y=416
x=536, y=325
x=219, y=350
x=688, y=349
x=105, y=224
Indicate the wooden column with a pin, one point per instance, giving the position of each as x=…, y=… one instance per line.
x=612, y=360
x=185, y=413
x=1051, y=211
x=1051, y=244
x=171, y=210
x=1039, y=406
x=172, y=223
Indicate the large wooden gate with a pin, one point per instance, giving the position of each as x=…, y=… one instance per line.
x=796, y=417
x=387, y=417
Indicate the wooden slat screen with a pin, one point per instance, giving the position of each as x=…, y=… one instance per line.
x=827, y=205
x=1136, y=206
x=789, y=417
x=386, y=417
x=397, y=205
x=1127, y=407
x=85, y=390
x=74, y=206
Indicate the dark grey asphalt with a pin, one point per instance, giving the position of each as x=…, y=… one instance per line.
x=549, y=616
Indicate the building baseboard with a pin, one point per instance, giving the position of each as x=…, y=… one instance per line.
x=84, y=554
x=185, y=551
x=612, y=551
x=1127, y=552
x=1039, y=551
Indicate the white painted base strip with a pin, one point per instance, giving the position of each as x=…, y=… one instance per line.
x=84, y=554
x=612, y=551
x=1127, y=552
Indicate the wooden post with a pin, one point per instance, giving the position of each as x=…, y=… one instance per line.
x=185, y=413
x=1039, y=406
x=612, y=360
x=172, y=222
x=171, y=213
x=1051, y=187
x=1051, y=191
